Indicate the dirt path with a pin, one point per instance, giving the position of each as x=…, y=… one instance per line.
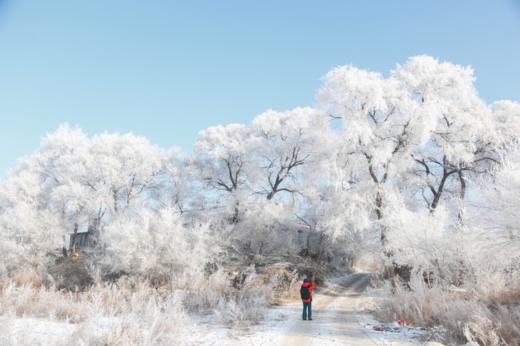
x=334, y=317
x=340, y=317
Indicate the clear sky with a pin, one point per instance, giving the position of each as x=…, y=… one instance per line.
x=167, y=69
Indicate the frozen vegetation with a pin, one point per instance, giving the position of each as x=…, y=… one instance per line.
x=108, y=239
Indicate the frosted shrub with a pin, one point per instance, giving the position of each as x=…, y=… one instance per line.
x=482, y=331
x=261, y=233
x=153, y=321
x=128, y=313
x=27, y=236
x=245, y=305
x=215, y=294
x=464, y=313
x=203, y=294
x=151, y=244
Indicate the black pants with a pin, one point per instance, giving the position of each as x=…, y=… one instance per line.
x=307, y=310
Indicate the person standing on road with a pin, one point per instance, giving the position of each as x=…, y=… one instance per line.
x=306, y=294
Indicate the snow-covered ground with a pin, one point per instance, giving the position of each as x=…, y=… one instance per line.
x=34, y=331
x=340, y=317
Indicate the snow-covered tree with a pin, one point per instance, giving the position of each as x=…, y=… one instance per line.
x=154, y=244
x=222, y=159
x=125, y=168
x=73, y=179
x=97, y=177
x=506, y=118
x=501, y=197
x=379, y=129
x=175, y=187
x=462, y=141
x=423, y=131
x=410, y=147
x=284, y=142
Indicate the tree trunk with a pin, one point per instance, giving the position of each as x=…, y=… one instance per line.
x=379, y=214
x=462, y=196
x=437, y=195
x=114, y=196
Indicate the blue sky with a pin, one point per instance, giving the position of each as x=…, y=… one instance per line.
x=167, y=69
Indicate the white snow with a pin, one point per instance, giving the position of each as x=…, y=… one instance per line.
x=34, y=331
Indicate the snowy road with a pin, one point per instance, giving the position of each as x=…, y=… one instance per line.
x=339, y=318
x=335, y=321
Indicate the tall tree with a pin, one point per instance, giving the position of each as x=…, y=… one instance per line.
x=462, y=141
x=379, y=129
x=222, y=159
x=284, y=142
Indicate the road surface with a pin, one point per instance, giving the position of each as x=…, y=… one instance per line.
x=339, y=318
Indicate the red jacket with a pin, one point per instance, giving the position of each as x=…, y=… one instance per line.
x=311, y=286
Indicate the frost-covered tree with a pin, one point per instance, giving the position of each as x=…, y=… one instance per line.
x=423, y=131
x=494, y=220
x=379, y=129
x=409, y=147
x=284, y=142
x=155, y=244
x=40, y=200
x=501, y=197
x=462, y=141
x=506, y=118
x=73, y=179
x=125, y=168
x=222, y=158
x=29, y=228
x=97, y=177
x=176, y=185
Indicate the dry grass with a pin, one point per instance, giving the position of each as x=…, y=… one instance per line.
x=151, y=321
x=488, y=317
x=74, y=307
x=217, y=295
x=129, y=313
x=140, y=311
x=133, y=312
